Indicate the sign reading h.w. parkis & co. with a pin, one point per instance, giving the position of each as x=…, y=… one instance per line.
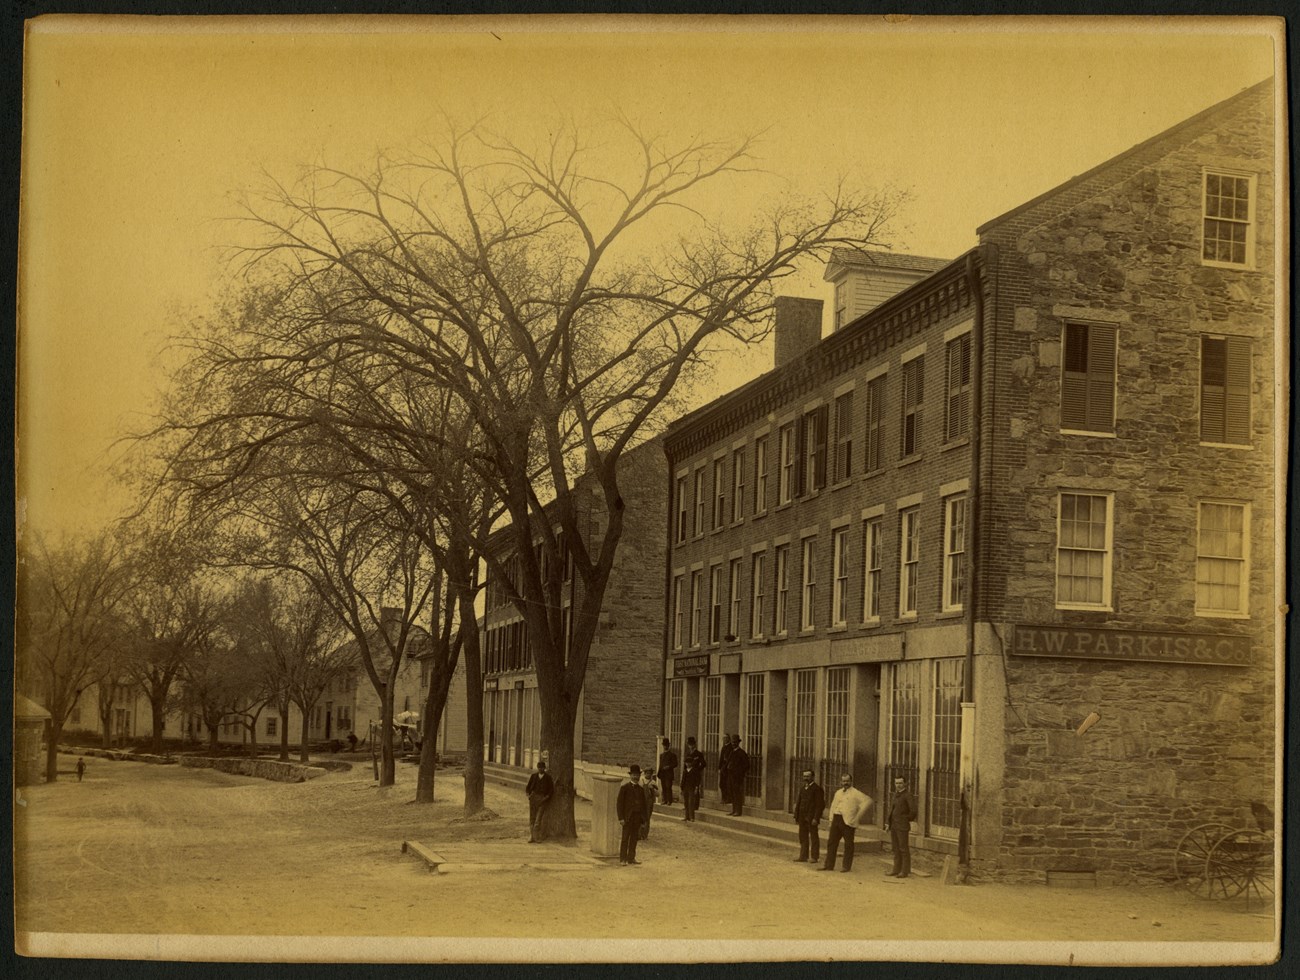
x=1140, y=645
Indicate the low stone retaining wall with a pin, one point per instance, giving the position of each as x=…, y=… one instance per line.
x=120, y=755
x=282, y=772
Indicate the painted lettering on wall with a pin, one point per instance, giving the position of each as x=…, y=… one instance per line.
x=1138, y=645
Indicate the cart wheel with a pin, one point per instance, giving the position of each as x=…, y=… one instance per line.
x=1192, y=853
x=1241, y=863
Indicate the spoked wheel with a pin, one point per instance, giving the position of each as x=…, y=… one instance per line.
x=1193, y=852
x=1241, y=863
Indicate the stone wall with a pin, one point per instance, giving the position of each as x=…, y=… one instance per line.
x=282, y=772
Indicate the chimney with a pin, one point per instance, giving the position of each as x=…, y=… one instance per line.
x=798, y=327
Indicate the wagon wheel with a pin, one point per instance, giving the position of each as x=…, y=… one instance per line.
x=1192, y=853
x=1241, y=863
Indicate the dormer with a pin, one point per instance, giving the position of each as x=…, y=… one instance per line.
x=864, y=279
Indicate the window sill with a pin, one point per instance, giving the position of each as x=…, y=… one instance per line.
x=841, y=485
x=758, y=514
x=910, y=617
x=956, y=443
x=870, y=624
x=950, y=614
x=838, y=628
x=1087, y=432
x=909, y=460
x=1227, y=445
x=1076, y=608
x=718, y=530
x=1217, y=614
x=784, y=506
x=737, y=522
x=808, y=631
x=870, y=473
x=1247, y=266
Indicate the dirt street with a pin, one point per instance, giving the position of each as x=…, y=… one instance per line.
x=164, y=850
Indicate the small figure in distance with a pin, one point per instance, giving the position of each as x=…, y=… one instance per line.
x=631, y=810
x=81, y=768
x=692, y=778
x=667, y=772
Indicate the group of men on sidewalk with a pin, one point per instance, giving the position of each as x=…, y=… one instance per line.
x=849, y=808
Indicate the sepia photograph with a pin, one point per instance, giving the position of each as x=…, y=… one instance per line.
x=662, y=489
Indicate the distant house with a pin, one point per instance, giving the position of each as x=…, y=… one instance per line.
x=31, y=722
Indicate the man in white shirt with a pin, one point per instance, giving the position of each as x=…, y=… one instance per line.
x=848, y=809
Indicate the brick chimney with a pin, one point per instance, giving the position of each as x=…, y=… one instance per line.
x=798, y=327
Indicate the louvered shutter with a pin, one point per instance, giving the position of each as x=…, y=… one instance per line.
x=1237, y=396
x=1101, y=378
x=958, y=408
x=875, y=421
x=1214, y=372
x=800, y=453
x=819, y=425
x=1074, y=377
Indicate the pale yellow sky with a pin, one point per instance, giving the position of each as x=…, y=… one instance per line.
x=134, y=145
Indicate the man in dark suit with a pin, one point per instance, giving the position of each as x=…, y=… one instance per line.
x=808, y=810
x=539, y=789
x=737, y=769
x=902, y=811
x=667, y=772
x=631, y=811
x=724, y=778
x=693, y=764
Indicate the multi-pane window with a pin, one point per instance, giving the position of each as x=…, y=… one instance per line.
x=757, y=587
x=954, y=553
x=840, y=569
x=871, y=569
x=271, y=722
x=944, y=796
x=1083, y=553
x=738, y=485
x=676, y=710
x=679, y=612
x=786, y=476
x=904, y=721
x=719, y=492
x=812, y=451
x=712, y=726
x=698, y=529
x=841, y=303
x=873, y=459
x=755, y=693
x=733, y=597
x=913, y=397
x=682, y=509
x=1222, y=570
x=808, y=611
x=697, y=584
x=805, y=715
x=1228, y=219
x=715, y=604
x=782, y=587
x=837, y=715
x=843, y=437
x=1225, y=390
x=909, y=559
x=957, y=407
x=760, y=475
x=1088, y=378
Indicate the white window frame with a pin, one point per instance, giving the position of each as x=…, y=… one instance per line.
x=738, y=485
x=698, y=529
x=840, y=570
x=719, y=493
x=786, y=475
x=1249, y=223
x=683, y=509
x=1242, y=610
x=758, y=571
x=697, y=586
x=1108, y=552
x=808, y=605
x=843, y=449
x=873, y=570
x=733, y=599
x=956, y=519
x=909, y=561
x=781, y=625
x=679, y=611
x=715, y=603
x=760, y=475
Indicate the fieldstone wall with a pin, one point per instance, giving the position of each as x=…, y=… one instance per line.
x=282, y=772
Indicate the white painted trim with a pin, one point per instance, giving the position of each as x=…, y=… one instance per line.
x=911, y=500
x=956, y=486
x=912, y=354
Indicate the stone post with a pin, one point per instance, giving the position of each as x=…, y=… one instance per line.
x=606, y=834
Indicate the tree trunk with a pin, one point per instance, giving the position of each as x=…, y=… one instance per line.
x=473, y=706
x=284, y=733
x=106, y=720
x=387, y=762
x=558, y=718
x=424, y=781
x=52, y=752
x=156, y=711
x=212, y=738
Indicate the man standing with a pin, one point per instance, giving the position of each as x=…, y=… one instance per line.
x=902, y=811
x=631, y=809
x=848, y=808
x=808, y=811
x=737, y=768
x=667, y=772
x=692, y=778
x=81, y=768
x=651, y=791
x=724, y=777
x=539, y=790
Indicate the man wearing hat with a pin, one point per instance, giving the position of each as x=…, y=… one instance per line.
x=631, y=811
x=808, y=811
x=539, y=789
x=737, y=769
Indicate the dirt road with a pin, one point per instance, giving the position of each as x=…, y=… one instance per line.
x=165, y=850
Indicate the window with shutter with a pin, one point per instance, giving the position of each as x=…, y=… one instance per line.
x=1225, y=390
x=873, y=459
x=1088, y=378
x=843, y=437
x=913, y=395
x=957, y=420
x=820, y=435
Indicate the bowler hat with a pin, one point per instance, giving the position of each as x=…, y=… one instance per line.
x=634, y=769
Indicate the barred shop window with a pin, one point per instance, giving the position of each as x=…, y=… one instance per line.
x=874, y=458
x=1222, y=558
x=1225, y=390
x=843, y=437
x=957, y=409
x=1228, y=220
x=1083, y=552
x=913, y=396
x=1088, y=378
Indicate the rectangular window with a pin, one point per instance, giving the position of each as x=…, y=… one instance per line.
x=733, y=596
x=805, y=716
x=782, y=587
x=679, y=611
x=841, y=303
x=957, y=409
x=1228, y=230
x=712, y=728
x=954, y=553
x=844, y=437
x=1088, y=378
x=676, y=710
x=697, y=584
x=757, y=588
x=871, y=532
x=874, y=459
x=1222, y=558
x=904, y=722
x=785, y=484
x=715, y=604
x=1225, y=390
x=837, y=714
x=808, y=610
x=719, y=493
x=913, y=397
x=909, y=554
x=738, y=485
x=760, y=475
x=1083, y=553
x=698, y=529
x=682, y=509
x=812, y=451
x=755, y=693
x=943, y=796
x=271, y=721
x=839, y=595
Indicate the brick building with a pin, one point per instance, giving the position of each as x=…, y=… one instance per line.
x=620, y=707
x=1030, y=484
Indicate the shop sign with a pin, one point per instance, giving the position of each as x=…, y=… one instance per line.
x=1133, y=645
x=695, y=666
x=490, y=684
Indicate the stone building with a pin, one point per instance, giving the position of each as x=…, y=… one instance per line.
x=620, y=708
x=1030, y=485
